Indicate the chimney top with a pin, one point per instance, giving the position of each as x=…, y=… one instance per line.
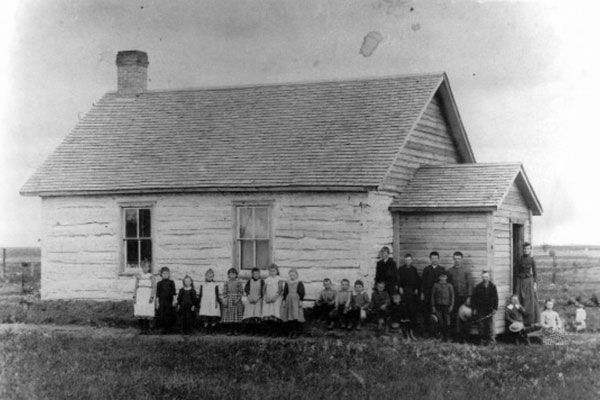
x=132, y=57
x=132, y=72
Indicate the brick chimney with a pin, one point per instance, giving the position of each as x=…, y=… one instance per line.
x=132, y=72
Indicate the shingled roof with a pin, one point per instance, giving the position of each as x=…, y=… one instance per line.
x=464, y=187
x=319, y=136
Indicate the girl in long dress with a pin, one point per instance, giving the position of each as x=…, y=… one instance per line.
x=552, y=329
x=253, y=292
x=527, y=286
x=233, y=308
x=143, y=295
x=271, y=307
x=210, y=307
x=291, y=306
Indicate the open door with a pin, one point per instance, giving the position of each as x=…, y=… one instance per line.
x=518, y=238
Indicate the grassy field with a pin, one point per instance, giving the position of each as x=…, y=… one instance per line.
x=89, y=362
x=36, y=366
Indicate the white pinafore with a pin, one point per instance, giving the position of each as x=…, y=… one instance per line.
x=209, y=304
x=143, y=308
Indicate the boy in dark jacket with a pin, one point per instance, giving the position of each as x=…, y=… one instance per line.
x=380, y=301
x=410, y=287
x=442, y=299
x=431, y=273
x=165, y=294
x=485, y=305
x=399, y=318
x=387, y=271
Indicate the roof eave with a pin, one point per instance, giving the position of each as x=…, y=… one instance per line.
x=526, y=188
x=455, y=121
x=459, y=209
x=228, y=189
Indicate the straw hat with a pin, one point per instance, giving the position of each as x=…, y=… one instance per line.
x=465, y=312
x=434, y=318
x=516, y=326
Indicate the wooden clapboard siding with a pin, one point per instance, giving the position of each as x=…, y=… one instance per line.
x=376, y=231
x=333, y=235
x=430, y=142
x=512, y=209
x=419, y=234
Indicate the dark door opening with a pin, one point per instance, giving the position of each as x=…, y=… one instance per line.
x=518, y=238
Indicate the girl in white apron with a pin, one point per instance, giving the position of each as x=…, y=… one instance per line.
x=210, y=308
x=143, y=295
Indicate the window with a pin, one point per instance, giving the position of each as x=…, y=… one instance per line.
x=253, y=236
x=137, y=238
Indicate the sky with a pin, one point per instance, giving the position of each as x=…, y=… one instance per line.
x=522, y=74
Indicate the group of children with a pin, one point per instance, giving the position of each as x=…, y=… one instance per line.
x=349, y=310
x=273, y=301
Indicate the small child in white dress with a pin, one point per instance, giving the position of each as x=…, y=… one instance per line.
x=210, y=308
x=580, y=317
x=143, y=295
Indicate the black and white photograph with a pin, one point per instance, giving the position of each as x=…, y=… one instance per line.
x=320, y=199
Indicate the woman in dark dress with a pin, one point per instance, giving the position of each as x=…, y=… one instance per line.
x=526, y=285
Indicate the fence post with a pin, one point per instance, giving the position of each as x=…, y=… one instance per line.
x=4, y=263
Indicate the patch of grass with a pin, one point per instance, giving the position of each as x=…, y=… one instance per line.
x=35, y=365
x=29, y=309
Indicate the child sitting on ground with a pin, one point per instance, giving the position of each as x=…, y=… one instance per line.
x=399, y=318
x=516, y=315
x=580, y=317
x=325, y=304
x=380, y=301
x=359, y=302
x=342, y=304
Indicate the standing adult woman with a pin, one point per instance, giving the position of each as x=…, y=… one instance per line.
x=527, y=286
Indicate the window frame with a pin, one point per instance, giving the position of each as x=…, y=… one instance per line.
x=123, y=206
x=236, y=254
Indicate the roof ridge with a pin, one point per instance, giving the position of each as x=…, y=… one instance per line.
x=292, y=83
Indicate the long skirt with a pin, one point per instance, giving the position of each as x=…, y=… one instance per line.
x=528, y=298
x=550, y=336
x=143, y=307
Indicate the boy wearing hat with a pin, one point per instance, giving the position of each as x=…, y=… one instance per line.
x=516, y=315
x=460, y=278
x=485, y=305
x=431, y=273
x=442, y=298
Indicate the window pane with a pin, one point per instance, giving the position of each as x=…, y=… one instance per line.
x=262, y=253
x=145, y=223
x=247, y=254
x=130, y=223
x=245, y=222
x=131, y=253
x=146, y=250
x=261, y=219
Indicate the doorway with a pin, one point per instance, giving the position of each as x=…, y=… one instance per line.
x=518, y=238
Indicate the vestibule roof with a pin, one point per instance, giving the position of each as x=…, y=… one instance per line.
x=464, y=187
